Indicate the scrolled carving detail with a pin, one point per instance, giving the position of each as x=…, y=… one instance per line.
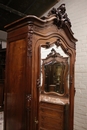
x=61, y=16
x=47, y=44
x=29, y=50
x=58, y=42
x=38, y=83
x=53, y=54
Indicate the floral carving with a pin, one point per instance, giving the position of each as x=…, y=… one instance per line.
x=61, y=16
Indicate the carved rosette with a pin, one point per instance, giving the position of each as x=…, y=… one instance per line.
x=28, y=101
x=30, y=34
x=58, y=42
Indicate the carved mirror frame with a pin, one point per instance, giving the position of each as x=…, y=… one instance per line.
x=55, y=74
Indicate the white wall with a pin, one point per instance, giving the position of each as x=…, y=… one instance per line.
x=77, y=12
x=3, y=38
x=3, y=35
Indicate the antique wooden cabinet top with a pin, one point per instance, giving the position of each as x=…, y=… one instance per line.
x=56, y=17
x=33, y=78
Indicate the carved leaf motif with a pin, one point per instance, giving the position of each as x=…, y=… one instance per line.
x=29, y=50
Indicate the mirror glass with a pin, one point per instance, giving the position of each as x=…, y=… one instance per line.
x=54, y=70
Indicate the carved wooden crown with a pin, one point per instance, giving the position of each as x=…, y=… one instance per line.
x=61, y=16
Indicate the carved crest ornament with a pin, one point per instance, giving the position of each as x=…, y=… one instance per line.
x=61, y=16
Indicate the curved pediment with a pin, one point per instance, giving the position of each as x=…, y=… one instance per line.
x=61, y=20
x=56, y=23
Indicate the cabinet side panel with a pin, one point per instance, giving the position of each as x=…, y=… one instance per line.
x=16, y=85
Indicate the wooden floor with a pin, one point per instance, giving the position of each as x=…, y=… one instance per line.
x=1, y=120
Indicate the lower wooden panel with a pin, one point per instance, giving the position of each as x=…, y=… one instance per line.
x=50, y=123
x=51, y=116
x=47, y=119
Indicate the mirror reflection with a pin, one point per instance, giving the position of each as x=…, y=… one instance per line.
x=54, y=66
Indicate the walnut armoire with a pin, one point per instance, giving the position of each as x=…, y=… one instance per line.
x=39, y=86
